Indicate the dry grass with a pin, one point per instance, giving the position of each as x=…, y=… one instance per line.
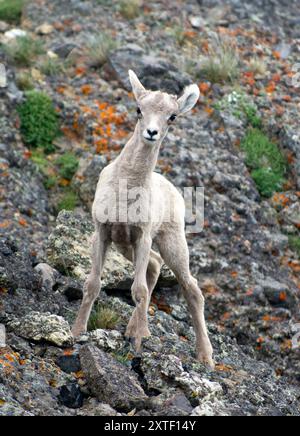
x=222, y=63
x=103, y=317
x=130, y=9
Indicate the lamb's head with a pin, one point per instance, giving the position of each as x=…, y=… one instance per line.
x=157, y=110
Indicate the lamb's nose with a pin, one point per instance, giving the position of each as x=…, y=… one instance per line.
x=152, y=132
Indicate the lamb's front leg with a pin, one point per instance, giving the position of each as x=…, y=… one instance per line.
x=93, y=283
x=138, y=324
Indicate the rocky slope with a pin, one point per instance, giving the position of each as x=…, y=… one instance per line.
x=243, y=258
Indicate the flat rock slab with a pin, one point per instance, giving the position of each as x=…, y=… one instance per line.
x=69, y=249
x=110, y=381
x=38, y=327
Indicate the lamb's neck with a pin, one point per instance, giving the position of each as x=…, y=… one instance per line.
x=138, y=160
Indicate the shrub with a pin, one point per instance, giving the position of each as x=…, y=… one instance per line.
x=262, y=153
x=23, y=50
x=130, y=9
x=11, y=10
x=68, y=165
x=39, y=121
x=103, y=317
x=222, y=63
x=99, y=49
x=266, y=161
x=69, y=201
x=267, y=181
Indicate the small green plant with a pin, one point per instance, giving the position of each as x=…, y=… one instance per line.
x=239, y=104
x=24, y=81
x=23, y=50
x=130, y=9
x=267, y=181
x=68, y=201
x=103, y=317
x=11, y=10
x=99, y=49
x=252, y=116
x=52, y=67
x=266, y=161
x=39, y=121
x=295, y=244
x=178, y=33
x=68, y=165
x=222, y=63
x=46, y=167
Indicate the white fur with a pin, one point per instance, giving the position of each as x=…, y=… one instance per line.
x=166, y=230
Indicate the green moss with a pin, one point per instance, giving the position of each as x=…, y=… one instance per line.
x=39, y=121
x=11, y=10
x=103, y=317
x=24, y=50
x=266, y=161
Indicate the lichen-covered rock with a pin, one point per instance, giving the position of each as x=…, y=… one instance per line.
x=69, y=251
x=169, y=367
x=111, y=382
x=43, y=327
x=106, y=340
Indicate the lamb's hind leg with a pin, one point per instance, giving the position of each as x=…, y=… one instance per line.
x=174, y=251
x=153, y=273
x=138, y=324
x=92, y=285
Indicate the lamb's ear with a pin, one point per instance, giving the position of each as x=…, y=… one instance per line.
x=137, y=87
x=189, y=99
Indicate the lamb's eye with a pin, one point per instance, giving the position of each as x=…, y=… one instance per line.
x=139, y=112
x=172, y=118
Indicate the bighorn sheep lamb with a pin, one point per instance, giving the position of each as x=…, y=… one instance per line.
x=159, y=220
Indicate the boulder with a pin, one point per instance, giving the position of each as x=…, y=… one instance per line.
x=154, y=72
x=43, y=327
x=110, y=381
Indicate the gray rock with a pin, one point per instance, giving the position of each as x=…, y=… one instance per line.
x=94, y=408
x=43, y=327
x=87, y=177
x=106, y=340
x=111, y=382
x=278, y=294
x=155, y=72
x=48, y=274
x=63, y=50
